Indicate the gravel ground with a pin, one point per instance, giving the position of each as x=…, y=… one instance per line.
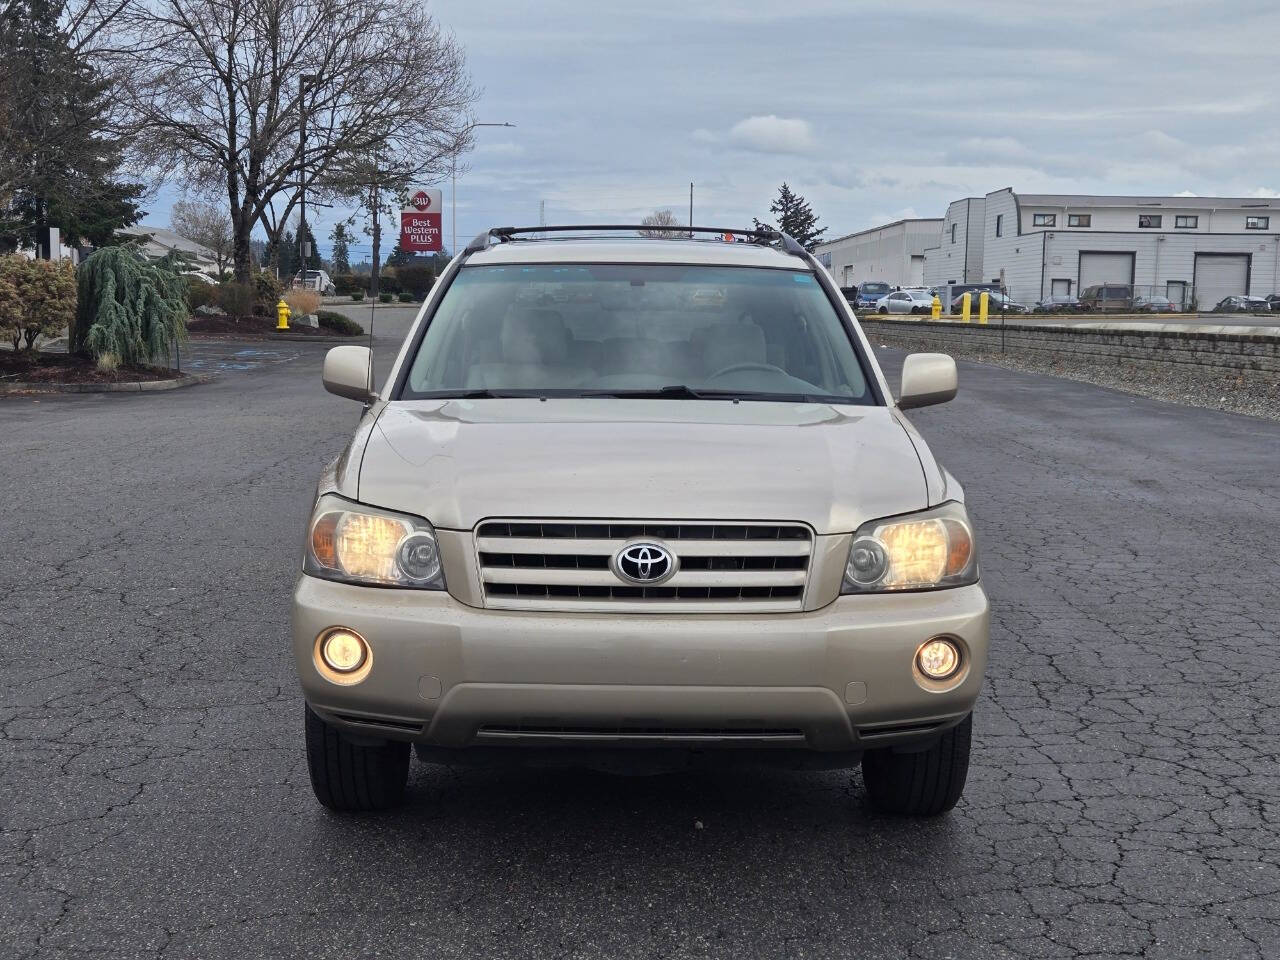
x=1256, y=396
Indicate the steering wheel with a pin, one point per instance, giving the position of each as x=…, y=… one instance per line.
x=736, y=367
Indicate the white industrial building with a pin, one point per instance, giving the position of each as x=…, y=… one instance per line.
x=1194, y=250
x=892, y=254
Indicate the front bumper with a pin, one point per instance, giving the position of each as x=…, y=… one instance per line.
x=451, y=675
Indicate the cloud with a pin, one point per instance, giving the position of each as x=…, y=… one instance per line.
x=703, y=135
x=505, y=149
x=771, y=134
x=1263, y=193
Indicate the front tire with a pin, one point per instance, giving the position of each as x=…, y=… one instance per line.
x=351, y=778
x=883, y=310
x=922, y=784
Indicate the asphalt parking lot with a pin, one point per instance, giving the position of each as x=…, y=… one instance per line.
x=154, y=799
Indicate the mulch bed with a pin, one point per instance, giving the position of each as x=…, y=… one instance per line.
x=62, y=368
x=240, y=327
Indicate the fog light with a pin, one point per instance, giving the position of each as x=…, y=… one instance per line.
x=343, y=651
x=938, y=659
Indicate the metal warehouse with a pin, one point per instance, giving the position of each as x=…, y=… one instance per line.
x=892, y=254
x=1194, y=250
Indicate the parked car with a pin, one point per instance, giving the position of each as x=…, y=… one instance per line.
x=1243, y=304
x=906, y=301
x=1154, y=304
x=1274, y=300
x=606, y=570
x=316, y=280
x=997, y=302
x=871, y=291
x=850, y=295
x=1106, y=297
x=1058, y=303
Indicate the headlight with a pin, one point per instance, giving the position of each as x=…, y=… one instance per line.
x=357, y=544
x=920, y=551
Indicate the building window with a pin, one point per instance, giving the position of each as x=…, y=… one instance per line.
x=1149, y=221
x=953, y=233
x=1044, y=219
x=1079, y=220
x=1257, y=223
x=999, y=224
x=1186, y=223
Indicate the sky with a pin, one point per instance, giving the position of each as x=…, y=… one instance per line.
x=871, y=111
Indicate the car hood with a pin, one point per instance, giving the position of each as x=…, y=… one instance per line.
x=456, y=462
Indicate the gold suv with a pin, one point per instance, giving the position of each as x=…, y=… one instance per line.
x=641, y=502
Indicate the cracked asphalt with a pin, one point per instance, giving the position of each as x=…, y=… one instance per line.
x=154, y=798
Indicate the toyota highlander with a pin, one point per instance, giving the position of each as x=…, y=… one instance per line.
x=647, y=502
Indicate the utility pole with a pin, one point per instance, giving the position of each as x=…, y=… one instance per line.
x=304, y=81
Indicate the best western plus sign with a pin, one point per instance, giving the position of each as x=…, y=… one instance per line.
x=420, y=230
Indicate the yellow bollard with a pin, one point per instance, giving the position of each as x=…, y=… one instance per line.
x=984, y=302
x=937, y=306
x=282, y=316
x=965, y=304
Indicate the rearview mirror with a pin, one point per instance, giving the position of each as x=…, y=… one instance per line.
x=348, y=372
x=927, y=378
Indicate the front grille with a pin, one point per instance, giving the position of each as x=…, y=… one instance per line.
x=565, y=564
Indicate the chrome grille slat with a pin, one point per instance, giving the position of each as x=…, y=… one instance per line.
x=565, y=565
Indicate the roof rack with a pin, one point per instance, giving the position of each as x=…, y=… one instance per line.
x=769, y=237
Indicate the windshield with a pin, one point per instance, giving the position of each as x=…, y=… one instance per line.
x=869, y=288
x=636, y=330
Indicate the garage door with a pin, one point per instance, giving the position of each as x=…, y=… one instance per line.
x=1096, y=268
x=917, y=272
x=1220, y=275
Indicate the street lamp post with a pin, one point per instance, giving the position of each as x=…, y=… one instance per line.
x=304, y=81
x=453, y=186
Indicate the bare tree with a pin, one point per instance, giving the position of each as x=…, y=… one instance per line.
x=219, y=94
x=206, y=224
x=662, y=218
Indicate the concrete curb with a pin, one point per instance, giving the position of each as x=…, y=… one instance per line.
x=269, y=337
x=132, y=386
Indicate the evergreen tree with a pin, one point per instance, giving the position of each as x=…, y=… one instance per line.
x=399, y=257
x=340, y=257
x=287, y=256
x=795, y=218
x=58, y=158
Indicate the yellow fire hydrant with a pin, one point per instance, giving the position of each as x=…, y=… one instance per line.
x=937, y=306
x=282, y=316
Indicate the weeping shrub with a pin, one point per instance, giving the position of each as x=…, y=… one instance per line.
x=128, y=307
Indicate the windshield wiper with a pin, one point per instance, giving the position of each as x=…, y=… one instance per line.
x=479, y=393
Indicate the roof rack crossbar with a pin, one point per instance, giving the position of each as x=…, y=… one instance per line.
x=769, y=237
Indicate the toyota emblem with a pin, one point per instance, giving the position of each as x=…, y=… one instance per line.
x=645, y=563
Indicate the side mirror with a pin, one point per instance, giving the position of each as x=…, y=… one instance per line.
x=927, y=378
x=348, y=372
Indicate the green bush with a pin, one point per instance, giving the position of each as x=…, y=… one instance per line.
x=266, y=294
x=407, y=297
x=201, y=294
x=129, y=309
x=37, y=298
x=357, y=295
x=237, y=299
x=348, y=283
x=415, y=278
x=385, y=297
x=338, y=323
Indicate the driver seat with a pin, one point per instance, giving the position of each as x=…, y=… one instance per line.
x=731, y=343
